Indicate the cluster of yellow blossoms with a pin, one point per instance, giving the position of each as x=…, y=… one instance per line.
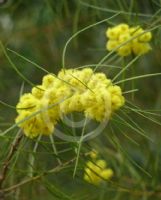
x=96, y=170
x=70, y=91
x=122, y=33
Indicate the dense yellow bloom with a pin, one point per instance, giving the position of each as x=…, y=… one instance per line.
x=70, y=91
x=122, y=33
x=96, y=171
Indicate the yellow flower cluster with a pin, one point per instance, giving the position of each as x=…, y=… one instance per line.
x=96, y=170
x=70, y=91
x=122, y=33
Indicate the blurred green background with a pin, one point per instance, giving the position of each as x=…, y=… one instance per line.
x=38, y=30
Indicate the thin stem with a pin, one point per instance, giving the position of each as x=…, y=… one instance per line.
x=80, y=31
x=54, y=148
x=79, y=148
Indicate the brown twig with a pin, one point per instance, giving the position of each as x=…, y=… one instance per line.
x=54, y=170
x=65, y=165
x=6, y=163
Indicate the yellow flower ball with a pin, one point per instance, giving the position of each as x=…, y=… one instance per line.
x=48, y=80
x=38, y=91
x=112, y=33
x=107, y=174
x=71, y=91
x=124, y=38
x=128, y=40
x=111, y=45
x=93, y=154
x=141, y=48
x=124, y=50
x=123, y=27
x=96, y=172
x=146, y=37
